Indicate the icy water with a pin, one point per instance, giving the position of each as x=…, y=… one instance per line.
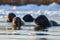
x=5, y=34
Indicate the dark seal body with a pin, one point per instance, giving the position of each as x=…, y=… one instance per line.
x=42, y=22
x=54, y=23
x=28, y=18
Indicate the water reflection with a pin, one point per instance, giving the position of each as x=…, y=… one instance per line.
x=41, y=39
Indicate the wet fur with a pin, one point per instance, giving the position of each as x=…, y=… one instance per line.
x=17, y=23
x=10, y=17
x=28, y=18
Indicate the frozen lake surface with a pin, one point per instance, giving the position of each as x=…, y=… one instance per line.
x=27, y=32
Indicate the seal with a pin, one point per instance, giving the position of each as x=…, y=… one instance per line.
x=10, y=17
x=28, y=18
x=42, y=22
x=16, y=23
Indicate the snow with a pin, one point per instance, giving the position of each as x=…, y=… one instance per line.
x=43, y=7
x=32, y=7
x=48, y=10
x=54, y=7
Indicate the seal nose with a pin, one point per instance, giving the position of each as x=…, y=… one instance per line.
x=15, y=21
